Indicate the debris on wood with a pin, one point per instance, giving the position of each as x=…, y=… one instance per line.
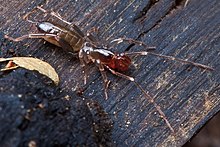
x=31, y=63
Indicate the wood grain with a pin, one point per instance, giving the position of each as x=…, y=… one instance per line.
x=187, y=95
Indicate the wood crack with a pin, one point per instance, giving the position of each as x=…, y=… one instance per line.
x=145, y=10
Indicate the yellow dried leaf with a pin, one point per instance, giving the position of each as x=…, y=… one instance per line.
x=35, y=64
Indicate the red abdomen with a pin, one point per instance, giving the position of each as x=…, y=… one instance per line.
x=120, y=63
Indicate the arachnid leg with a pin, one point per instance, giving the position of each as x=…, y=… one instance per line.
x=186, y=2
x=105, y=80
x=52, y=13
x=120, y=40
x=144, y=53
x=83, y=65
x=150, y=99
x=129, y=40
x=29, y=36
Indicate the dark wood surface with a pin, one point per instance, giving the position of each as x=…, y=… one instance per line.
x=208, y=136
x=187, y=95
